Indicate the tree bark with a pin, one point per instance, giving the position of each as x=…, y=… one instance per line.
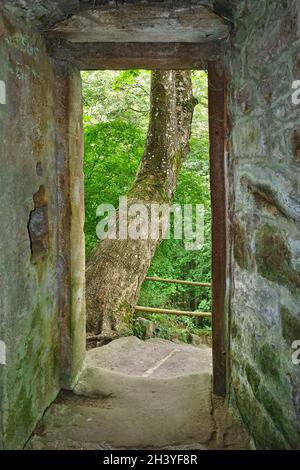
x=116, y=268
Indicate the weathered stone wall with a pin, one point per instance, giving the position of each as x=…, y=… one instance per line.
x=29, y=323
x=33, y=186
x=265, y=220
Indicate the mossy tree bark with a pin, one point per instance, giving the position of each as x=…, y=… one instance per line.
x=117, y=267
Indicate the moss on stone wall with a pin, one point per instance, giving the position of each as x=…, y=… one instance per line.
x=290, y=325
x=268, y=360
x=273, y=257
x=30, y=321
x=241, y=245
x=257, y=420
x=264, y=299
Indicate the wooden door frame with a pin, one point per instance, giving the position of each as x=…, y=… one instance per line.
x=217, y=110
x=198, y=59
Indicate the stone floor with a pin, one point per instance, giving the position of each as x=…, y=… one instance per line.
x=152, y=394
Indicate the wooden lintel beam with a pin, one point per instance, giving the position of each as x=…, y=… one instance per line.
x=121, y=56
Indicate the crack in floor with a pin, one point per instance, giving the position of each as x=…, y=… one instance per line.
x=159, y=363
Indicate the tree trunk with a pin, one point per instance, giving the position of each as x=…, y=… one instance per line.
x=117, y=267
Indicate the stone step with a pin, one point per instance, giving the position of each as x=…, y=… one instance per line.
x=160, y=390
x=140, y=395
x=155, y=357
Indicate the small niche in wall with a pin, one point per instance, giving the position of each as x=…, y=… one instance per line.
x=38, y=226
x=39, y=169
x=296, y=145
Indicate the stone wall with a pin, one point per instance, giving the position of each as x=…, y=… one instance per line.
x=31, y=265
x=264, y=189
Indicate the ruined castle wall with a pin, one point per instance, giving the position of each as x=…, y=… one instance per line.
x=32, y=268
x=264, y=190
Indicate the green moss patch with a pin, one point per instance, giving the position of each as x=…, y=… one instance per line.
x=273, y=258
x=290, y=325
x=241, y=246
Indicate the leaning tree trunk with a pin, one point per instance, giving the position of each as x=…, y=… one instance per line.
x=117, y=267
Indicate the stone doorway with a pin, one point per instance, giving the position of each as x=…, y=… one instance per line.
x=43, y=47
x=66, y=39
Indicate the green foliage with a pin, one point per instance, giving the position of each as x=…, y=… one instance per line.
x=116, y=95
x=112, y=153
x=116, y=113
x=173, y=328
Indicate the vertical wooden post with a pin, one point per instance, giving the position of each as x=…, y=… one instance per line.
x=217, y=113
x=70, y=238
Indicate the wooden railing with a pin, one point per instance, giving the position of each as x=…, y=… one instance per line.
x=179, y=281
x=179, y=313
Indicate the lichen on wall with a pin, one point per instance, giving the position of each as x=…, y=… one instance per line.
x=42, y=324
x=28, y=301
x=264, y=316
